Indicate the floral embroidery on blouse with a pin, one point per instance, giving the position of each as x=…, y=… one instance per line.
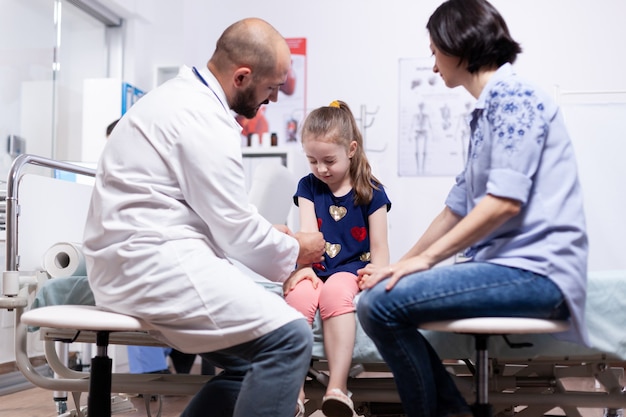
x=513, y=110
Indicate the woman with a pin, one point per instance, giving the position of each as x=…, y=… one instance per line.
x=516, y=210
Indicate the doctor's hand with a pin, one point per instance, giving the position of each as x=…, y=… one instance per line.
x=312, y=246
x=299, y=275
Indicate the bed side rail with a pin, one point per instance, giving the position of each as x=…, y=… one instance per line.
x=18, y=168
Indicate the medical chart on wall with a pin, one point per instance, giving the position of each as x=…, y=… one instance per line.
x=433, y=129
x=276, y=124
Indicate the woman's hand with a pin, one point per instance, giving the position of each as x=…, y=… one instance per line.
x=372, y=274
x=300, y=274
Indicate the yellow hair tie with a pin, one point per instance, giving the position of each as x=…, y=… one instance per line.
x=335, y=103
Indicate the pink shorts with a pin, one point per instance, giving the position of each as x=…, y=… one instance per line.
x=333, y=297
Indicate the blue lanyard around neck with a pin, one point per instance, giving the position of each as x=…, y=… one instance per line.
x=201, y=78
x=195, y=71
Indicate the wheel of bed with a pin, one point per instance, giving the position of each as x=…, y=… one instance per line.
x=481, y=328
x=89, y=318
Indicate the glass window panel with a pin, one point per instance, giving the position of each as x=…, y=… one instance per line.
x=42, y=106
x=82, y=54
x=27, y=33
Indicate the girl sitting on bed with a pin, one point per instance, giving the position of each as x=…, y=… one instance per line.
x=342, y=199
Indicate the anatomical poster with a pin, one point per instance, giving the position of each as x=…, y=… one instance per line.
x=433, y=127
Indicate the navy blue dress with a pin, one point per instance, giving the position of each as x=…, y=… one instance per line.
x=345, y=226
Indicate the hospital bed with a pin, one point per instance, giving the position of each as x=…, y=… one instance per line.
x=529, y=375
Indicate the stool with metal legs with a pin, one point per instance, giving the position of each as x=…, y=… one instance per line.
x=481, y=328
x=103, y=323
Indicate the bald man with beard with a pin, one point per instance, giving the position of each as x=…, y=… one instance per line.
x=170, y=210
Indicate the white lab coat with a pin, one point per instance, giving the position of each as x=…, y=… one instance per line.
x=168, y=208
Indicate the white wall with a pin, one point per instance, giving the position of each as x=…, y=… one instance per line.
x=353, y=52
x=102, y=103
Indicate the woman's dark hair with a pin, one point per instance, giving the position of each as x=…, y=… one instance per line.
x=474, y=31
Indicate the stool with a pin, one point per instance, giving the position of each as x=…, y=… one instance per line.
x=483, y=327
x=89, y=318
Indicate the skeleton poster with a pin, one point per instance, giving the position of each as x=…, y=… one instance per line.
x=433, y=126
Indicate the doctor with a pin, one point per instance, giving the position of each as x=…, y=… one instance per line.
x=169, y=208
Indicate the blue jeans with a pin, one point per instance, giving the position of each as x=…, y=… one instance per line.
x=470, y=289
x=260, y=378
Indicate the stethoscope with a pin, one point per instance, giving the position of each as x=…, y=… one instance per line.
x=201, y=78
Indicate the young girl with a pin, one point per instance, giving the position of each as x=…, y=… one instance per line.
x=342, y=199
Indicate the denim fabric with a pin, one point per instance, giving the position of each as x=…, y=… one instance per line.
x=260, y=378
x=470, y=289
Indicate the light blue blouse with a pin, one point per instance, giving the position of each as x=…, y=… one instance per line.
x=520, y=149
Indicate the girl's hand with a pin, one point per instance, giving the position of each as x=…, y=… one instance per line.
x=284, y=229
x=372, y=274
x=300, y=274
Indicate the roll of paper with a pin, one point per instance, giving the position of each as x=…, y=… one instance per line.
x=65, y=259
